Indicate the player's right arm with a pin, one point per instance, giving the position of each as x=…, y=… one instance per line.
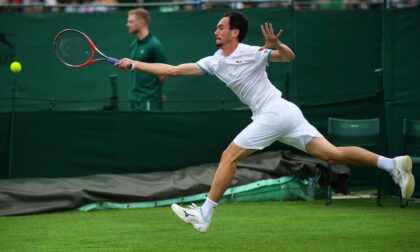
x=160, y=69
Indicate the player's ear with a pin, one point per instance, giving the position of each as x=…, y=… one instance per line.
x=235, y=33
x=142, y=22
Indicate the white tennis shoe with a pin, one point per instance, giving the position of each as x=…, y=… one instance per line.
x=402, y=175
x=192, y=215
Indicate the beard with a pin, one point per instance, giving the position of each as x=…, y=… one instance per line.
x=218, y=43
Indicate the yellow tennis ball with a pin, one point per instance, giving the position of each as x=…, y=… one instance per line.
x=15, y=67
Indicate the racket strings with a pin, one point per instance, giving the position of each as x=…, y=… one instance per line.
x=73, y=48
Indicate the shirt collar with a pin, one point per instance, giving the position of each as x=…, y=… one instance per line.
x=145, y=39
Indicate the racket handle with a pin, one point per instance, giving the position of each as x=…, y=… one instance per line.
x=114, y=60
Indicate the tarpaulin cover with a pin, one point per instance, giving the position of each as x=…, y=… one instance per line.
x=36, y=195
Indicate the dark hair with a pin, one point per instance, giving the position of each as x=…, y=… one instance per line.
x=238, y=21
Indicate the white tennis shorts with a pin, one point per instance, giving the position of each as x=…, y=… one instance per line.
x=281, y=121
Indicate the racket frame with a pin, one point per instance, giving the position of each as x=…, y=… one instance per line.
x=92, y=52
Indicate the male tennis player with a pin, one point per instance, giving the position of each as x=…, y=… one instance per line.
x=242, y=68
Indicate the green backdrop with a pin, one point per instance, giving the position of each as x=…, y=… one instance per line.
x=72, y=143
x=327, y=69
x=401, y=65
x=333, y=75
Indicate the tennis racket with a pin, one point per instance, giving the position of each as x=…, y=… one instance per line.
x=75, y=49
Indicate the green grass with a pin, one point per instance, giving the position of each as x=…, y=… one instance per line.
x=346, y=225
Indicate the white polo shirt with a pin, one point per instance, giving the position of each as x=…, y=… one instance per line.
x=244, y=72
x=274, y=119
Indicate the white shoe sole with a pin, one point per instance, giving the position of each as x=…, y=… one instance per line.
x=409, y=189
x=179, y=212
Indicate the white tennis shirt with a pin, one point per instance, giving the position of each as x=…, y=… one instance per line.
x=243, y=71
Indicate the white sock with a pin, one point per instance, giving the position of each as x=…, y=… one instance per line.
x=386, y=164
x=208, y=208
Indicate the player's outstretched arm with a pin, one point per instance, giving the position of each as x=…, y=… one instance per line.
x=282, y=52
x=160, y=69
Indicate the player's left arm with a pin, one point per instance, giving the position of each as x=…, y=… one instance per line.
x=281, y=52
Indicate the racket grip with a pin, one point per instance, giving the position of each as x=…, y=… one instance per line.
x=114, y=60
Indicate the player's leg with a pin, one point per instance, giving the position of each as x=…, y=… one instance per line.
x=307, y=138
x=226, y=170
x=256, y=136
x=400, y=168
x=323, y=149
x=223, y=177
x=200, y=217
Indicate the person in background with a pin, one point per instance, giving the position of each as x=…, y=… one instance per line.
x=145, y=89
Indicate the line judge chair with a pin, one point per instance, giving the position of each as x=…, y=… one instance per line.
x=411, y=138
x=363, y=133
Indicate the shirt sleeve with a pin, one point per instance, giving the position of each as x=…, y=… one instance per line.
x=205, y=65
x=263, y=57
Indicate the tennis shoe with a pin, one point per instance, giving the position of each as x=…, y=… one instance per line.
x=192, y=215
x=402, y=175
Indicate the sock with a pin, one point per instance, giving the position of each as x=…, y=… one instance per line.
x=208, y=208
x=386, y=164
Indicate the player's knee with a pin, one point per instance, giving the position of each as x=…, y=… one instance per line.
x=228, y=158
x=332, y=156
x=336, y=156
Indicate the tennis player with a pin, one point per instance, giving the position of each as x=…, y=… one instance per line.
x=242, y=68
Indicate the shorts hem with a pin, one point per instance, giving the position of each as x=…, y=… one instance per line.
x=244, y=146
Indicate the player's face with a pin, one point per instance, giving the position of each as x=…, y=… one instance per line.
x=223, y=32
x=134, y=24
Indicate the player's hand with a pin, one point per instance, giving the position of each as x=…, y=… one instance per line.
x=123, y=64
x=271, y=39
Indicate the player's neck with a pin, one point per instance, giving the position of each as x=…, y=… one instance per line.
x=229, y=48
x=142, y=33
